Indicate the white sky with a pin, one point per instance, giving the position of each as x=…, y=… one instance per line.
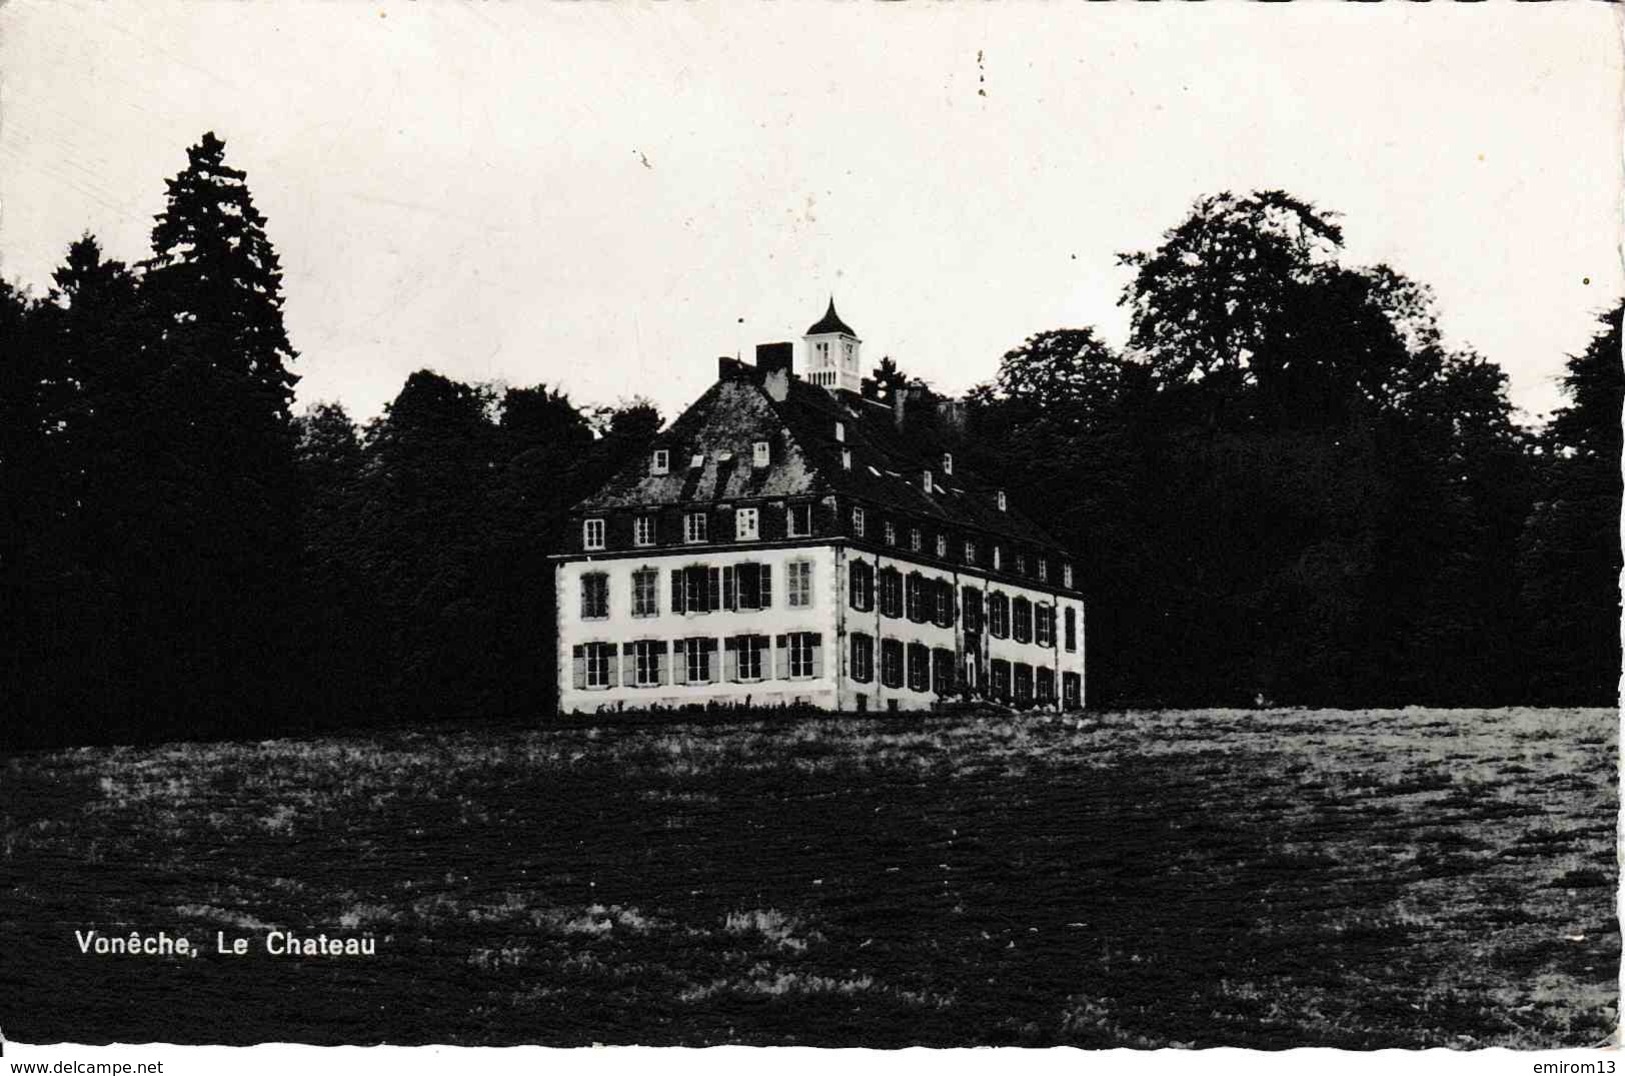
x=464, y=187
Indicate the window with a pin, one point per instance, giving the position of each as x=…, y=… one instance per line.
x=860, y=579
x=914, y=539
x=1004, y=502
x=1024, y=564
x=846, y=459
x=1024, y=684
x=646, y=592
x=925, y=480
x=1044, y=686
x=1071, y=690
x=747, y=586
x=760, y=455
x=592, y=534
x=1044, y=625
x=857, y=522
x=660, y=462
x=798, y=583
x=1066, y=576
x=863, y=659
x=746, y=524
x=694, y=527
x=942, y=546
x=744, y=656
x=915, y=596
x=970, y=600
x=798, y=520
x=891, y=533
x=802, y=648
x=919, y=667
x=970, y=552
x=1043, y=569
x=998, y=675
x=947, y=463
x=891, y=662
x=643, y=530
x=891, y=592
x=693, y=660
x=943, y=614
x=1021, y=617
x=998, y=615
x=973, y=664
x=840, y=431
x=696, y=461
x=595, y=665
x=594, y=596
x=696, y=589
x=942, y=671
x=998, y=557
x=1071, y=629
x=648, y=663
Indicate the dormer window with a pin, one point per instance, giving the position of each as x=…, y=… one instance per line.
x=926, y=479
x=891, y=533
x=1004, y=502
x=998, y=558
x=857, y=522
x=696, y=461
x=947, y=463
x=592, y=534
x=914, y=539
x=970, y=551
x=798, y=520
x=759, y=454
x=660, y=462
x=840, y=431
x=694, y=527
x=747, y=524
x=942, y=546
x=846, y=459
x=1066, y=575
x=643, y=530
x=1043, y=569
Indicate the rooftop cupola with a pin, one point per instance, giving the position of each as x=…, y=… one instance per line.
x=833, y=361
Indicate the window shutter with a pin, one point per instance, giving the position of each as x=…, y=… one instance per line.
x=677, y=603
x=781, y=657
x=663, y=662
x=730, y=590
x=818, y=655
x=614, y=666
x=714, y=588
x=579, y=663
x=730, y=659
x=764, y=580
x=679, y=661
x=629, y=667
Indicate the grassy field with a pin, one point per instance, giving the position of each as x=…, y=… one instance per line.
x=1202, y=878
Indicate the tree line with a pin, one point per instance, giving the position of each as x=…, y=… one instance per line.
x=1286, y=488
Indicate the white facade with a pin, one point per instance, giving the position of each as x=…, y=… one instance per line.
x=809, y=649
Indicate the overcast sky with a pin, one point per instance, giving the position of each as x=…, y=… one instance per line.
x=607, y=196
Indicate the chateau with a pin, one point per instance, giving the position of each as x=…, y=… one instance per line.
x=794, y=539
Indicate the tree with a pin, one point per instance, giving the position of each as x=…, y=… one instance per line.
x=1569, y=560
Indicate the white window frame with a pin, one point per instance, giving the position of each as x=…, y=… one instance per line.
x=652, y=606
x=645, y=663
x=914, y=539
x=798, y=584
x=970, y=551
x=760, y=454
x=598, y=657
x=643, y=530
x=926, y=481
x=1004, y=502
x=755, y=646
x=801, y=654
x=697, y=661
x=660, y=461
x=840, y=431
x=891, y=532
x=942, y=547
x=695, y=526
x=948, y=463
x=846, y=459
x=747, y=524
x=858, y=522
x=998, y=557
x=1066, y=575
x=1043, y=569
x=592, y=533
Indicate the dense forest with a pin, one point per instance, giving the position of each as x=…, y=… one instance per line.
x=1286, y=488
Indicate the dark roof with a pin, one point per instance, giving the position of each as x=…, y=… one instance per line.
x=888, y=463
x=830, y=323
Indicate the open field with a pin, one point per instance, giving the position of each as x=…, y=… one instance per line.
x=1253, y=878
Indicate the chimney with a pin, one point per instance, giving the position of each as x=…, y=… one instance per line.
x=951, y=415
x=728, y=367
x=770, y=357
